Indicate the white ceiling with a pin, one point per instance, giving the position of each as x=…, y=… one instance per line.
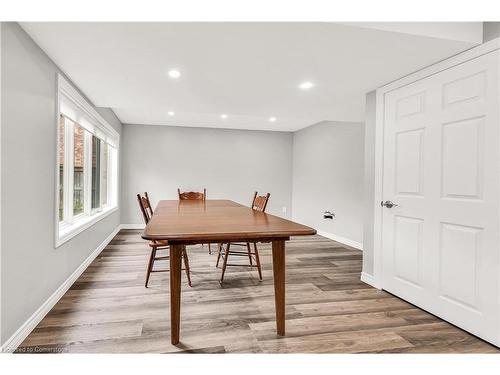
x=250, y=71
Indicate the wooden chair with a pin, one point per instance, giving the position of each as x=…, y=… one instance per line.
x=259, y=203
x=147, y=213
x=194, y=195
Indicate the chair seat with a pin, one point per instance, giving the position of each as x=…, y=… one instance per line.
x=158, y=243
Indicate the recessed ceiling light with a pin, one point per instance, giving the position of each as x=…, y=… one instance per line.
x=174, y=73
x=272, y=119
x=171, y=113
x=223, y=116
x=306, y=85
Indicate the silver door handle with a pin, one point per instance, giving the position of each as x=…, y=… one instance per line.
x=388, y=204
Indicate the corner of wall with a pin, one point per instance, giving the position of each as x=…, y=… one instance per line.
x=491, y=30
x=319, y=177
x=369, y=183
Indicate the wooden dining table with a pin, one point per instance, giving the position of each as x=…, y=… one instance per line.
x=189, y=222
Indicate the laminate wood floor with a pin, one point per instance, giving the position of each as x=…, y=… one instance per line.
x=329, y=310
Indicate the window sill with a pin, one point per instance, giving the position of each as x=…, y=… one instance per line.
x=68, y=232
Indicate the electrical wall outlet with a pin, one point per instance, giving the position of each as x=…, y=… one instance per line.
x=328, y=215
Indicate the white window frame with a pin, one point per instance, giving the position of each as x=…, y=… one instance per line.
x=94, y=124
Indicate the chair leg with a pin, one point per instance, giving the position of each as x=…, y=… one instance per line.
x=150, y=265
x=209, y=250
x=249, y=253
x=226, y=255
x=186, y=265
x=257, y=260
x=218, y=255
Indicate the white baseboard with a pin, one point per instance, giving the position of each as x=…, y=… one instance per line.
x=343, y=240
x=369, y=279
x=18, y=337
x=132, y=226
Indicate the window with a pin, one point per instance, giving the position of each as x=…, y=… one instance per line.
x=87, y=165
x=96, y=172
x=78, y=159
x=60, y=156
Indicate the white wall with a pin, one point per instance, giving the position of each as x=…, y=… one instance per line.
x=32, y=269
x=230, y=164
x=328, y=175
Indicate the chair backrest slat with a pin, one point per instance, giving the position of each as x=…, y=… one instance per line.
x=145, y=206
x=259, y=203
x=192, y=195
x=149, y=207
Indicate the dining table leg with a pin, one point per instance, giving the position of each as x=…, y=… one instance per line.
x=175, y=292
x=279, y=284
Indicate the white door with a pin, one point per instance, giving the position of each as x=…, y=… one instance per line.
x=441, y=167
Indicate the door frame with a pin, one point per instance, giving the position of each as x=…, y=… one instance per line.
x=455, y=60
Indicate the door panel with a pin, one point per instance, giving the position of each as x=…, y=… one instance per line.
x=464, y=89
x=459, y=255
x=409, y=168
x=462, y=164
x=440, y=246
x=408, y=249
x=410, y=105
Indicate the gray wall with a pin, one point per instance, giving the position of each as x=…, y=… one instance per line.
x=230, y=164
x=491, y=30
x=369, y=183
x=32, y=269
x=328, y=175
